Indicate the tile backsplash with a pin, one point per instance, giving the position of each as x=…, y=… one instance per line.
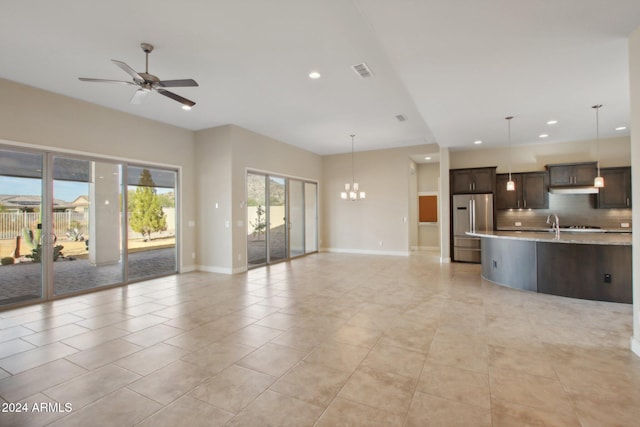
x=572, y=209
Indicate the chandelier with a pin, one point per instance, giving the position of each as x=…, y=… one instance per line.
x=352, y=191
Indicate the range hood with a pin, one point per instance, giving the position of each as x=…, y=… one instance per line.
x=573, y=189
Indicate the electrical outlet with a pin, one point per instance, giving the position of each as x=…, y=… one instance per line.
x=518, y=224
x=193, y=255
x=607, y=278
x=624, y=225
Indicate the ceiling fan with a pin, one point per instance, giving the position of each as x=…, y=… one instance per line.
x=147, y=82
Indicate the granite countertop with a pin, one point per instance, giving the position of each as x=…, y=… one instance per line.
x=568, y=230
x=596, y=238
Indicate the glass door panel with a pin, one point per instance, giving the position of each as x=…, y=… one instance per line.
x=277, y=219
x=152, y=220
x=87, y=224
x=311, y=217
x=296, y=217
x=20, y=226
x=256, y=219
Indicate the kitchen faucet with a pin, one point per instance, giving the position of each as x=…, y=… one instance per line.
x=554, y=225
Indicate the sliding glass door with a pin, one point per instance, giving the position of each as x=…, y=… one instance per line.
x=281, y=218
x=296, y=217
x=77, y=243
x=151, y=243
x=21, y=232
x=87, y=224
x=278, y=247
x=310, y=217
x=256, y=219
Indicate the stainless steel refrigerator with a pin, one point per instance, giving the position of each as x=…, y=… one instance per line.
x=471, y=212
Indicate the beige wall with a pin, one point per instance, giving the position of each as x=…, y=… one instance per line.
x=380, y=223
x=252, y=151
x=214, y=221
x=533, y=157
x=35, y=117
x=634, y=72
x=225, y=154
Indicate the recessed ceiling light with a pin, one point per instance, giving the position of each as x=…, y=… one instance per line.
x=427, y=158
x=621, y=128
x=544, y=135
x=477, y=142
x=314, y=75
x=552, y=122
x=186, y=107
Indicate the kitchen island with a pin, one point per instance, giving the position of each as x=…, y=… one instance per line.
x=594, y=266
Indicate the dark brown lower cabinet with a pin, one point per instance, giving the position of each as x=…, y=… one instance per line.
x=594, y=272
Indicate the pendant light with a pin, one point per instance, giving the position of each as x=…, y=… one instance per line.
x=598, y=181
x=352, y=190
x=511, y=185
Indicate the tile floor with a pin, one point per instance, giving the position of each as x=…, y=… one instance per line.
x=326, y=340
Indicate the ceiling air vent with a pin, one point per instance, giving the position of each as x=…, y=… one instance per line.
x=362, y=70
x=401, y=118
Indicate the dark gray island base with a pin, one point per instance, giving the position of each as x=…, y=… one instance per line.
x=594, y=267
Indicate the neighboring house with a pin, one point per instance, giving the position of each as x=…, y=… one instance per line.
x=80, y=204
x=19, y=203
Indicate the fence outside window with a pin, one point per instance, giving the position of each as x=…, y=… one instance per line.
x=12, y=223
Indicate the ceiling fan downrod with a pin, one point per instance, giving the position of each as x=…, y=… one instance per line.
x=147, y=48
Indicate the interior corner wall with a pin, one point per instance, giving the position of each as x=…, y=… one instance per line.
x=31, y=116
x=252, y=151
x=214, y=200
x=380, y=223
x=445, y=206
x=414, y=240
x=634, y=73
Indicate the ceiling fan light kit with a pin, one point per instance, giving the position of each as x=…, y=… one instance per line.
x=147, y=82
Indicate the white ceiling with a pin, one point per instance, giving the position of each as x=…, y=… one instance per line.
x=454, y=68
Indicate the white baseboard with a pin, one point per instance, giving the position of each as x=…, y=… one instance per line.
x=213, y=269
x=188, y=269
x=635, y=346
x=221, y=270
x=425, y=248
x=445, y=260
x=239, y=270
x=365, y=252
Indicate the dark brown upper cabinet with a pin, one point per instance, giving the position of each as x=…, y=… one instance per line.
x=473, y=180
x=572, y=174
x=531, y=191
x=616, y=192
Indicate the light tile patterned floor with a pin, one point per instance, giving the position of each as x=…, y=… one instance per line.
x=326, y=340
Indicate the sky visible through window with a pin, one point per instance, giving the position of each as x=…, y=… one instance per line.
x=67, y=191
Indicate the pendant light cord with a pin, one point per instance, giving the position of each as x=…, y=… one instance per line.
x=597, y=108
x=509, y=140
x=353, y=174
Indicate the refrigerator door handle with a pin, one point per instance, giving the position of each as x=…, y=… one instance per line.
x=472, y=216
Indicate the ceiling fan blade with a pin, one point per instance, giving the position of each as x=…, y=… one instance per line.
x=177, y=83
x=176, y=97
x=86, y=79
x=138, y=96
x=133, y=73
